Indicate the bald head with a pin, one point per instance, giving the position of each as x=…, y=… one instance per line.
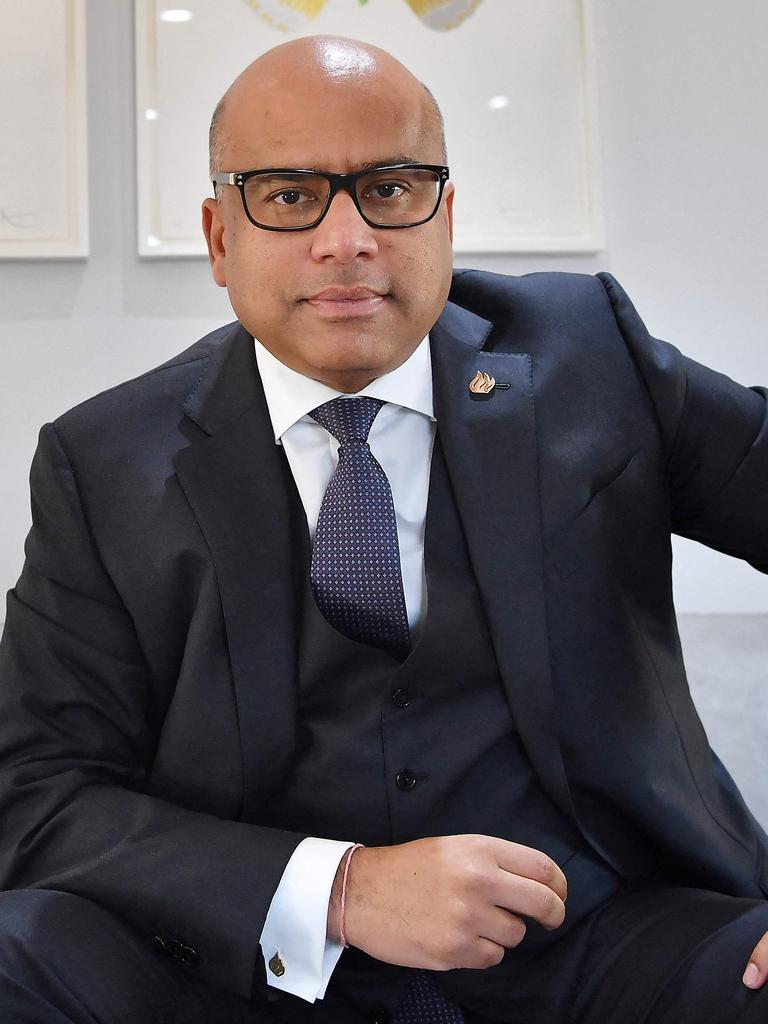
x=321, y=66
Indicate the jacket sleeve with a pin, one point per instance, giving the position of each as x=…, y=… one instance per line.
x=715, y=437
x=76, y=744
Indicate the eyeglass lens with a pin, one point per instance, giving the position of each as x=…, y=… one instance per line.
x=389, y=198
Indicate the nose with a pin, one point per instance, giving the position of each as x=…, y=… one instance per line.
x=342, y=234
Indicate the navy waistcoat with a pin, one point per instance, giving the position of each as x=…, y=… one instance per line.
x=392, y=751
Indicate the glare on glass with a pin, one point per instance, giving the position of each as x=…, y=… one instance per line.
x=289, y=199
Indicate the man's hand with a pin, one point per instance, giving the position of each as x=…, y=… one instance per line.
x=756, y=973
x=448, y=901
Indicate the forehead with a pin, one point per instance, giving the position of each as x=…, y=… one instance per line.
x=330, y=126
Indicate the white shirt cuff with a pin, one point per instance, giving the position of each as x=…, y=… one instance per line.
x=296, y=922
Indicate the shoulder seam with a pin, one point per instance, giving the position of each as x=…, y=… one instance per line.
x=134, y=380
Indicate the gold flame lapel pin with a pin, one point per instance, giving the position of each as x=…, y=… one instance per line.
x=483, y=385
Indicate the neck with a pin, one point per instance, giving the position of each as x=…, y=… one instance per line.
x=348, y=385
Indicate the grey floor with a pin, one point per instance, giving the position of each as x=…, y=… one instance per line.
x=726, y=658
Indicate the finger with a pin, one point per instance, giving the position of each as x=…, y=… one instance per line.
x=486, y=953
x=502, y=927
x=533, y=864
x=532, y=899
x=756, y=974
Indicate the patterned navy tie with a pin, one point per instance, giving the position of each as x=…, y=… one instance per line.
x=355, y=568
x=423, y=1004
x=358, y=586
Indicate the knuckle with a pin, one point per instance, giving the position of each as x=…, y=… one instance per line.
x=478, y=847
x=546, y=899
x=516, y=932
x=493, y=956
x=544, y=869
x=455, y=945
x=461, y=917
x=473, y=878
x=551, y=908
x=470, y=869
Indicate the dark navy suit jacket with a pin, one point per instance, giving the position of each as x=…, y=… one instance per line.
x=148, y=665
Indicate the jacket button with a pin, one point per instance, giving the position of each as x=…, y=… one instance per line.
x=380, y=1016
x=189, y=957
x=405, y=780
x=173, y=948
x=401, y=698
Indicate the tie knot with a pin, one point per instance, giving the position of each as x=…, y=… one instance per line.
x=348, y=419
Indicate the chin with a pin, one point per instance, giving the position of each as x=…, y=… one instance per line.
x=348, y=367
x=349, y=350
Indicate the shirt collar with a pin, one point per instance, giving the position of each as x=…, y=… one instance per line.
x=290, y=395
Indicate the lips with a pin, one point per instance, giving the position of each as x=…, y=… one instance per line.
x=337, y=293
x=339, y=303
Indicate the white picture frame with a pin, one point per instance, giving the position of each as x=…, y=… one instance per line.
x=520, y=124
x=44, y=173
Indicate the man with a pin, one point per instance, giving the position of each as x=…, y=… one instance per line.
x=302, y=588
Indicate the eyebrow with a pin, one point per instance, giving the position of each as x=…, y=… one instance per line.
x=399, y=158
x=389, y=161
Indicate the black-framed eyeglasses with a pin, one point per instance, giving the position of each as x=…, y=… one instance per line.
x=290, y=199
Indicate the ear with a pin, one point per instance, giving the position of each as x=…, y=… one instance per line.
x=213, y=229
x=448, y=195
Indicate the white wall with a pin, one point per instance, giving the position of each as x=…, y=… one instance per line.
x=684, y=109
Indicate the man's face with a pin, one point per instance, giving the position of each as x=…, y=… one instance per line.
x=331, y=122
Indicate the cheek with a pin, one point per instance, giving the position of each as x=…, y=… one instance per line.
x=424, y=269
x=254, y=270
x=254, y=279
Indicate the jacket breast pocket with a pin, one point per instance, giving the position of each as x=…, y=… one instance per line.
x=609, y=521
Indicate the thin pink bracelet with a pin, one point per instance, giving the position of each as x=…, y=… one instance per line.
x=343, y=938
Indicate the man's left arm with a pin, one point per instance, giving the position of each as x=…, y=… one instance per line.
x=715, y=434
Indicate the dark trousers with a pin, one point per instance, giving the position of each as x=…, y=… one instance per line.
x=667, y=956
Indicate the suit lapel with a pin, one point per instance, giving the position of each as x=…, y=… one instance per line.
x=239, y=486
x=490, y=450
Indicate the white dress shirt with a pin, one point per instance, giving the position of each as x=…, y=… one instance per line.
x=401, y=439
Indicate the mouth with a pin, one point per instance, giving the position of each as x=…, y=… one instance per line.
x=339, y=303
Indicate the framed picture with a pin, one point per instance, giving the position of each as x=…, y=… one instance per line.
x=515, y=82
x=43, y=160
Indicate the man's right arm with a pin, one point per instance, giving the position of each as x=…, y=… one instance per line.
x=76, y=747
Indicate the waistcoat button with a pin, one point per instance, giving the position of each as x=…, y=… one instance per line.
x=401, y=698
x=405, y=780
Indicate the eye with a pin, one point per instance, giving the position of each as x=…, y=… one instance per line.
x=290, y=197
x=384, y=190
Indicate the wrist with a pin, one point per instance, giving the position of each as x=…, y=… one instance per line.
x=336, y=901
x=342, y=936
